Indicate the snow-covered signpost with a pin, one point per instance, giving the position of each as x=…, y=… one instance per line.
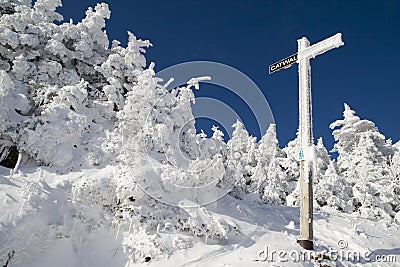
x=304, y=53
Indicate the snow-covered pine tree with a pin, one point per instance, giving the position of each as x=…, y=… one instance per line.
x=53, y=67
x=162, y=160
x=393, y=190
x=322, y=160
x=395, y=161
x=269, y=179
x=332, y=190
x=364, y=157
x=240, y=161
x=292, y=167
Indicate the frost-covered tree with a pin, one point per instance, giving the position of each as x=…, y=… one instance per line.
x=261, y=168
x=270, y=179
x=122, y=68
x=240, y=161
x=358, y=140
x=292, y=166
x=363, y=161
x=322, y=159
x=332, y=190
x=395, y=161
x=53, y=68
x=393, y=189
x=167, y=162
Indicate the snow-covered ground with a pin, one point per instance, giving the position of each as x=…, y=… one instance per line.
x=36, y=211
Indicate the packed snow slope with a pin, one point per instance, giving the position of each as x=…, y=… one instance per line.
x=102, y=164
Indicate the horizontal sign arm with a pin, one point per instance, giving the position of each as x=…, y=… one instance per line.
x=321, y=47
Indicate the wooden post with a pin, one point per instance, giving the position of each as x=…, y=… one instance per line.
x=306, y=154
x=306, y=143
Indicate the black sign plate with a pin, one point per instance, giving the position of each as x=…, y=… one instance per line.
x=283, y=64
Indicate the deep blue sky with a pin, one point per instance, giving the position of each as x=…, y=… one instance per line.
x=250, y=35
